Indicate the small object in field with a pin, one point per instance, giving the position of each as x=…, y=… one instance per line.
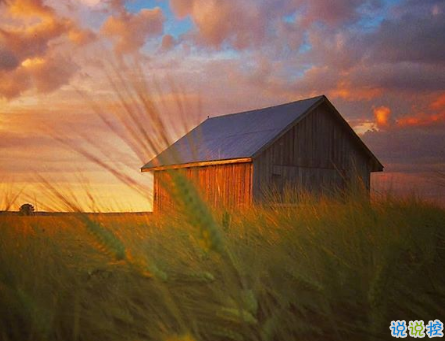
x=27, y=210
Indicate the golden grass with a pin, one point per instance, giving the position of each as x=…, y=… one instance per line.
x=331, y=270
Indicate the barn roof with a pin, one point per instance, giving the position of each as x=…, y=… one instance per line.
x=234, y=137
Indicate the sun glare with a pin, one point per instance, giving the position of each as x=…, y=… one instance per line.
x=30, y=62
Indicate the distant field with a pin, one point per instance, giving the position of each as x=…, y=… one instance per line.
x=323, y=271
x=66, y=214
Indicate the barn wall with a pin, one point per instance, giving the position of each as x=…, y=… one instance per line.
x=228, y=185
x=318, y=155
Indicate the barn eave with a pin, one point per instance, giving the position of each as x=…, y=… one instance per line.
x=197, y=164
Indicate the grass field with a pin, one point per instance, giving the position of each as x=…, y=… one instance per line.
x=326, y=270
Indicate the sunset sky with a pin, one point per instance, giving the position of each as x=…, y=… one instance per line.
x=380, y=62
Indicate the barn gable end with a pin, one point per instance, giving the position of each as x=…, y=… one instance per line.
x=318, y=153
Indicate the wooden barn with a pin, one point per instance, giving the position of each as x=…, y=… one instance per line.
x=236, y=159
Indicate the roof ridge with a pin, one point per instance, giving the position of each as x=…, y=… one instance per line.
x=264, y=108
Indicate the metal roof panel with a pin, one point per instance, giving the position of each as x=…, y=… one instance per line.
x=232, y=136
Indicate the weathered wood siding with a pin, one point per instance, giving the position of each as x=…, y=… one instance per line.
x=228, y=185
x=318, y=155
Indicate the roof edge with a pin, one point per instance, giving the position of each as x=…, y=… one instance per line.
x=267, y=107
x=320, y=100
x=197, y=164
x=377, y=165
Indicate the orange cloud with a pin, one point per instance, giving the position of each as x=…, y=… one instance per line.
x=439, y=103
x=30, y=50
x=422, y=119
x=382, y=115
x=80, y=37
x=182, y=8
x=130, y=31
x=437, y=116
x=13, y=83
x=51, y=73
x=240, y=22
x=347, y=91
x=30, y=8
x=30, y=41
x=43, y=74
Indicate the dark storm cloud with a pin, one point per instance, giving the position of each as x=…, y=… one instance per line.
x=405, y=52
x=413, y=77
x=412, y=38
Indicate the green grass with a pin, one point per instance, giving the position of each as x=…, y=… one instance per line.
x=326, y=270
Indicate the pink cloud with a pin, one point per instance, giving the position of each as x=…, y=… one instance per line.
x=334, y=12
x=130, y=31
x=32, y=45
x=168, y=42
x=248, y=23
x=241, y=23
